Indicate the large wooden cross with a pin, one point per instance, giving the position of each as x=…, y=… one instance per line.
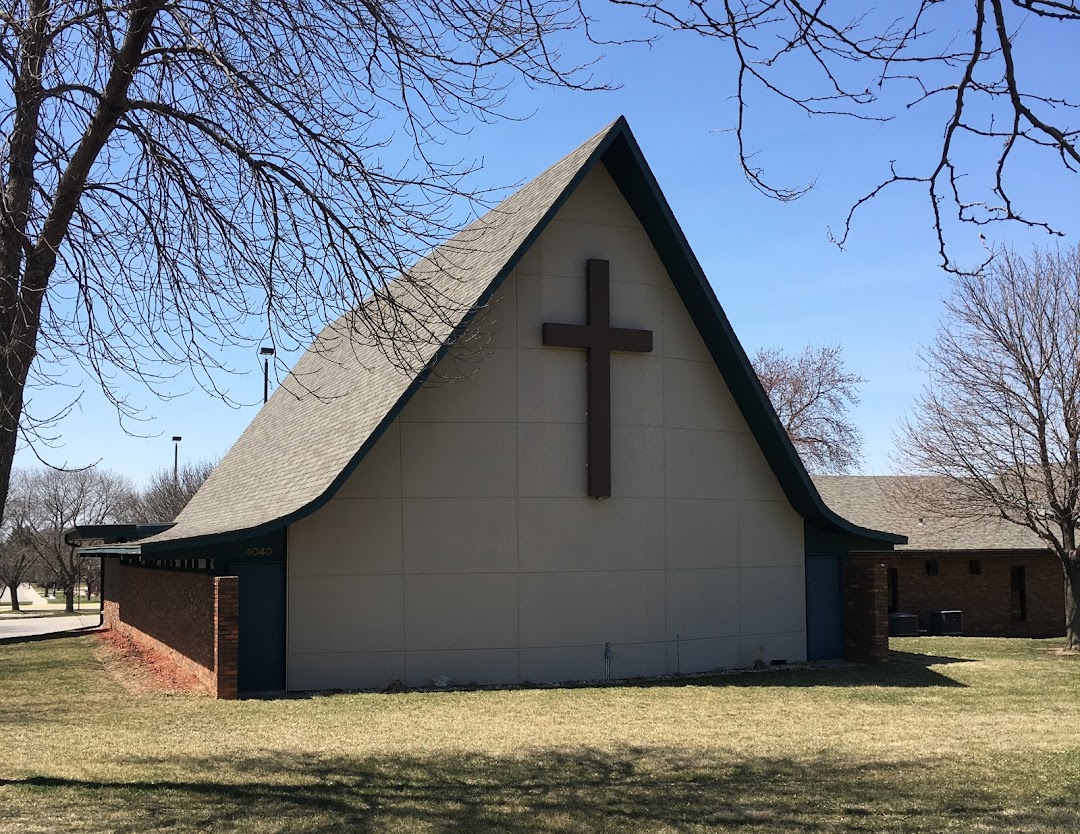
x=598, y=338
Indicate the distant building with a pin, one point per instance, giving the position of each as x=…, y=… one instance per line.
x=1001, y=577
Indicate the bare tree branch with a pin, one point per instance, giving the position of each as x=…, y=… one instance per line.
x=831, y=58
x=811, y=394
x=167, y=493
x=178, y=178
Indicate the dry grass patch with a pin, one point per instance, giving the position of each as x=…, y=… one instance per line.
x=971, y=735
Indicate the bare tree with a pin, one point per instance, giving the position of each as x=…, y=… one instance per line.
x=17, y=561
x=969, y=66
x=90, y=574
x=999, y=421
x=18, y=556
x=167, y=493
x=181, y=177
x=59, y=500
x=811, y=394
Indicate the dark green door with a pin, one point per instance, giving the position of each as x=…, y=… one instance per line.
x=262, y=626
x=824, y=608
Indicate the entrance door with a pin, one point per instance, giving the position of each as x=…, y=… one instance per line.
x=824, y=608
x=262, y=626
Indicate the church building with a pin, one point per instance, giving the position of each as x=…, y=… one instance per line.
x=573, y=475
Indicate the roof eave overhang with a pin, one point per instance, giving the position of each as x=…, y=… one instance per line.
x=919, y=551
x=114, y=533
x=94, y=551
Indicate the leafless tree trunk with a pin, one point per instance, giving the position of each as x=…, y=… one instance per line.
x=1072, y=598
x=91, y=574
x=177, y=178
x=999, y=421
x=811, y=394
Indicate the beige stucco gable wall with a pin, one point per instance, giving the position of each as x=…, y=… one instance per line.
x=464, y=544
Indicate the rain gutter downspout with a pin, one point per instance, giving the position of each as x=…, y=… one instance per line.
x=101, y=592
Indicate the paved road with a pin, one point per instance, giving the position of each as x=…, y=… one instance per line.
x=31, y=626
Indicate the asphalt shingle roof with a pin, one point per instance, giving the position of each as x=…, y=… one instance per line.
x=300, y=442
x=883, y=503
x=343, y=393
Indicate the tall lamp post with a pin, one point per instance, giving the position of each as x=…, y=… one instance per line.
x=266, y=353
x=176, y=458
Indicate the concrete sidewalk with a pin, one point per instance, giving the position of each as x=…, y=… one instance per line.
x=28, y=595
x=13, y=629
x=33, y=604
x=27, y=612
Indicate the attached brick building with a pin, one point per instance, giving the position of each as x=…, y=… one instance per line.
x=1000, y=576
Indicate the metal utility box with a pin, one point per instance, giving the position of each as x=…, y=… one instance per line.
x=903, y=625
x=945, y=622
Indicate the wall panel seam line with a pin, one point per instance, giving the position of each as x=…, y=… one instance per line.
x=401, y=520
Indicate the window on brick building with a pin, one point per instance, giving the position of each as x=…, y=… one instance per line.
x=1018, y=586
x=931, y=567
x=894, y=591
x=974, y=567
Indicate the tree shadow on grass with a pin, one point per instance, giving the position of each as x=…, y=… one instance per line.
x=908, y=670
x=885, y=675
x=567, y=792
x=896, y=656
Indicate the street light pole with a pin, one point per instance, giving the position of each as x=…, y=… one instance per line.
x=176, y=459
x=266, y=353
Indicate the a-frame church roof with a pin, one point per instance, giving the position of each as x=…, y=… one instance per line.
x=341, y=396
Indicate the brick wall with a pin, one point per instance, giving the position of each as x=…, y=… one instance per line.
x=111, y=613
x=984, y=598
x=226, y=635
x=866, y=624
x=110, y=591
x=192, y=618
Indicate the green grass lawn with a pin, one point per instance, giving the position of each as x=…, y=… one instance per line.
x=962, y=735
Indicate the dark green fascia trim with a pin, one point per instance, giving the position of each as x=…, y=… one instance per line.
x=829, y=541
x=224, y=552
x=628, y=167
x=622, y=157
x=616, y=130
x=115, y=533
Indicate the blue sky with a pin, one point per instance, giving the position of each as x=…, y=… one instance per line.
x=779, y=278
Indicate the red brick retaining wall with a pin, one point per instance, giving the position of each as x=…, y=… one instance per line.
x=226, y=635
x=866, y=623
x=192, y=618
